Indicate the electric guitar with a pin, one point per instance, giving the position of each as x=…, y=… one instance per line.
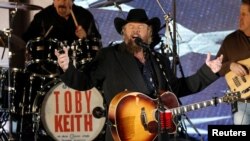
x=240, y=83
x=134, y=115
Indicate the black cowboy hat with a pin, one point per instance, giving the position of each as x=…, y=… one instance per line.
x=137, y=15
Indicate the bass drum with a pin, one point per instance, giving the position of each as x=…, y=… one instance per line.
x=68, y=114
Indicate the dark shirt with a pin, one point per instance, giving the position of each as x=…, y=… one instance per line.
x=235, y=47
x=62, y=29
x=147, y=73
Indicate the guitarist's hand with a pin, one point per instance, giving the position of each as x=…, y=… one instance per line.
x=238, y=69
x=214, y=65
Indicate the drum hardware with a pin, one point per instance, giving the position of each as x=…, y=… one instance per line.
x=31, y=78
x=14, y=56
x=87, y=42
x=22, y=106
x=2, y=78
x=87, y=50
x=74, y=48
x=10, y=90
x=4, y=117
x=98, y=112
x=79, y=52
x=75, y=52
x=33, y=90
x=36, y=124
x=105, y=3
x=19, y=6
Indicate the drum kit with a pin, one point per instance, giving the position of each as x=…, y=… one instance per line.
x=34, y=103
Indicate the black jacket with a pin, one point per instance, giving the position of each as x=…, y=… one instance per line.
x=114, y=70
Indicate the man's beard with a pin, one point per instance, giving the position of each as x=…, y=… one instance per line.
x=132, y=47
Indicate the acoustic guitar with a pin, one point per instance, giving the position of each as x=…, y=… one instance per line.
x=133, y=115
x=240, y=83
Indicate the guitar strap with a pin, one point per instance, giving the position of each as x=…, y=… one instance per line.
x=162, y=70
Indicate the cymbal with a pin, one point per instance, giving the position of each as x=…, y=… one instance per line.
x=16, y=43
x=105, y=3
x=19, y=6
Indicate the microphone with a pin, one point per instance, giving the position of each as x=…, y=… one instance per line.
x=139, y=42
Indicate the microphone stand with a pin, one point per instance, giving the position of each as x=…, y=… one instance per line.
x=175, y=56
x=162, y=134
x=174, y=51
x=167, y=18
x=176, y=60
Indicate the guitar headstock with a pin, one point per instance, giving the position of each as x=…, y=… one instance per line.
x=231, y=97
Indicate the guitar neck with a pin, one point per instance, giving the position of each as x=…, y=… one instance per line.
x=191, y=107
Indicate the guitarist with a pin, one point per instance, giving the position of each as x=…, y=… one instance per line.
x=132, y=66
x=236, y=47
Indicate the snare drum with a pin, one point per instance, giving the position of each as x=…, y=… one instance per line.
x=41, y=58
x=68, y=114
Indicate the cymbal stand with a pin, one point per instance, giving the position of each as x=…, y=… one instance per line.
x=10, y=88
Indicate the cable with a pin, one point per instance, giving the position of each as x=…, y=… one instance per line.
x=244, y=113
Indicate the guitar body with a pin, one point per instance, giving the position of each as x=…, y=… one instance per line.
x=125, y=114
x=238, y=83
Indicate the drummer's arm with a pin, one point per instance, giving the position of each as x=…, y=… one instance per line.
x=80, y=32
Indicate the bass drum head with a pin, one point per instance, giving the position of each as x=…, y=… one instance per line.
x=67, y=114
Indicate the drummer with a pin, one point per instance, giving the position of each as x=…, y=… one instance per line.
x=64, y=21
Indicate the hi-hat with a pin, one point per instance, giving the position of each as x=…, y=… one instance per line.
x=17, y=48
x=105, y=3
x=19, y=6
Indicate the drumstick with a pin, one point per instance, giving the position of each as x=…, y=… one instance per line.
x=74, y=18
x=47, y=33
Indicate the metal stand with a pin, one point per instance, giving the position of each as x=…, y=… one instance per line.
x=174, y=53
x=195, y=129
x=162, y=131
x=10, y=88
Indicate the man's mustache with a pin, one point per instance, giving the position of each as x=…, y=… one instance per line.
x=62, y=6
